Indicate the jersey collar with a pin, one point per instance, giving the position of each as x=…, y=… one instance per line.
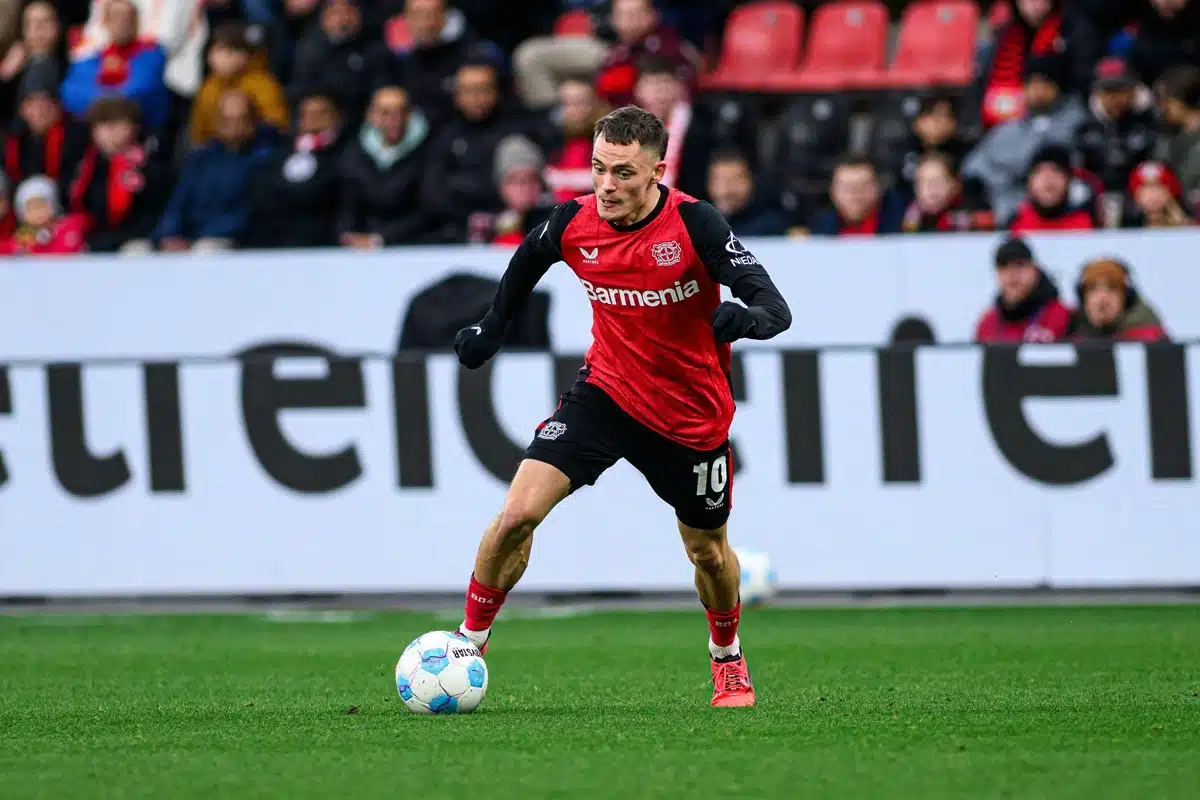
x=663, y=191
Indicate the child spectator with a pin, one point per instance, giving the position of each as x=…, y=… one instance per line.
x=859, y=206
x=42, y=229
x=1111, y=309
x=1056, y=201
x=1156, y=195
x=382, y=173
x=1027, y=307
x=527, y=203
x=128, y=67
x=1120, y=131
x=938, y=205
x=732, y=192
x=119, y=184
x=229, y=59
x=569, y=173
x=208, y=207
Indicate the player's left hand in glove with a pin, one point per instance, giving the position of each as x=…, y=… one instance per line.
x=476, y=344
x=732, y=321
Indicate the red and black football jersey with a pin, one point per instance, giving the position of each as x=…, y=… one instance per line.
x=654, y=286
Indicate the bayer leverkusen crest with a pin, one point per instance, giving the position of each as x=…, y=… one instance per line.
x=667, y=254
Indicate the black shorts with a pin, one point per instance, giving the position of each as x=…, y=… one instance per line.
x=589, y=432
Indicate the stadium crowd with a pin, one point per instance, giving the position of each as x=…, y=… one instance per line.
x=173, y=125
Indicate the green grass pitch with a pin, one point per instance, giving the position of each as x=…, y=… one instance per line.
x=916, y=703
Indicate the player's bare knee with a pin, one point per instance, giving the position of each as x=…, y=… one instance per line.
x=707, y=554
x=518, y=519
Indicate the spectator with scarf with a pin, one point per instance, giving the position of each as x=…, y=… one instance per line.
x=1034, y=28
x=42, y=141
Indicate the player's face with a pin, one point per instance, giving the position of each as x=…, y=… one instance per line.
x=623, y=176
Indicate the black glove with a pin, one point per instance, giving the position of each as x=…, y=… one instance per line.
x=732, y=321
x=476, y=344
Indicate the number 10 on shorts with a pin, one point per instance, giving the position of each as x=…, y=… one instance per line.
x=716, y=476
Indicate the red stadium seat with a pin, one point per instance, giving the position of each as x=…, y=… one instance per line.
x=936, y=45
x=573, y=23
x=846, y=47
x=761, y=40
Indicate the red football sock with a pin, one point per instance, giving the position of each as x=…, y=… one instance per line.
x=483, y=604
x=723, y=625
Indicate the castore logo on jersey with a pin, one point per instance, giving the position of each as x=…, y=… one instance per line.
x=590, y=256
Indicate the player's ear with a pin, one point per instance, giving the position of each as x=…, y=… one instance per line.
x=660, y=169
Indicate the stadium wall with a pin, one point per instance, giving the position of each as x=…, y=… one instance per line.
x=241, y=424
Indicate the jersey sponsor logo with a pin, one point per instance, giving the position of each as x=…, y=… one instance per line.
x=741, y=257
x=590, y=256
x=552, y=430
x=667, y=254
x=638, y=298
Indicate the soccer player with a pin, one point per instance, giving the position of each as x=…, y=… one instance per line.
x=655, y=389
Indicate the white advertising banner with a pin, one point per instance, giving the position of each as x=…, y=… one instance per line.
x=139, y=453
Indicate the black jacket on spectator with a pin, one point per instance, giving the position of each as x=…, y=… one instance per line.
x=347, y=68
x=757, y=219
x=428, y=73
x=293, y=200
x=1163, y=43
x=1112, y=148
x=123, y=195
x=459, y=176
x=384, y=199
x=55, y=154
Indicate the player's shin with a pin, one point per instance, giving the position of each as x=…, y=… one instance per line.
x=718, y=577
x=501, y=561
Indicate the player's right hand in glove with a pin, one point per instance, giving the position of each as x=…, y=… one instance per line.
x=732, y=321
x=476, y=344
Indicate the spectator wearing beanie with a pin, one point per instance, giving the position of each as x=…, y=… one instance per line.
x=1156, y=196
x=131, y=66
x=1111, y=309
x=232, y=69
x=1027, y=306
x=381, y=175
x=293, y=193
x=42, y=230
x=1056, y=201
x=41, y=140
x=527, y=201
x=1000, y=162
x=1121, y=130
x=1179, y=108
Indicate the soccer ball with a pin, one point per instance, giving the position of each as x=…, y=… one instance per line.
x=759, y=583
x=441, y=672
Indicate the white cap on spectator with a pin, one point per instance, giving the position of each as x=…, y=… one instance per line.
x=39, y=186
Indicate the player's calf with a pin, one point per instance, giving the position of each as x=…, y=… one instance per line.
x=504, y=550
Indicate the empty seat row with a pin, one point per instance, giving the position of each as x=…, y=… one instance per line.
x=765, y=48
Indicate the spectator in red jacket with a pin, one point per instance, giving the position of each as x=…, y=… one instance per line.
x=1055, y=200
x=569, y=173
x=42, y=229
x=1157, y=197
x=640, y=32
x=1027, y=307
x=1110, y=308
